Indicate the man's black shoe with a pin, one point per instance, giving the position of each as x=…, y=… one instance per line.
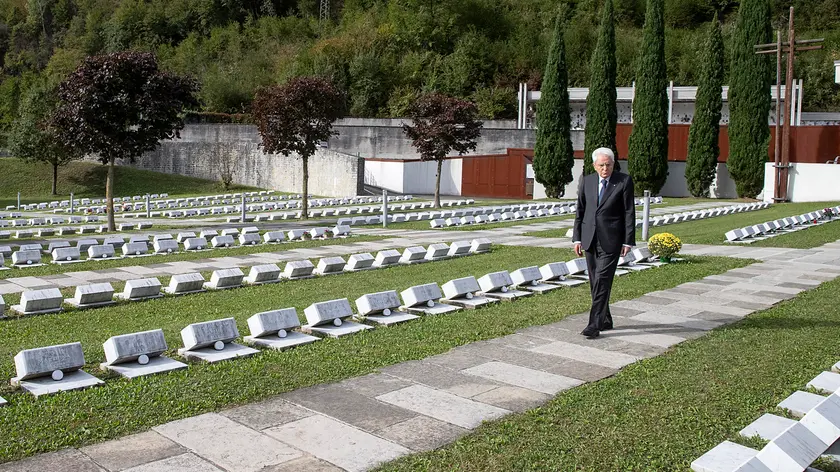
x=607, y=327
x=590, y=333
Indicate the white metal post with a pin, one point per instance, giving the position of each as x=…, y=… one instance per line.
x=384, y=208
x=645, y=215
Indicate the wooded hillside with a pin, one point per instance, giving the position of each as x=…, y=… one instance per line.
x=382, y=53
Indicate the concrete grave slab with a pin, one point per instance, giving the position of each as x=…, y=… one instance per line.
x=138, y=354
x=225, y=279
x=825, y=382
x=211, y=341
x=184, y=284
x=725, y=457
x=52, y=369
x=140, y=289
x=39, y=302
x=497, y=285
x=423, y=299
x=330, y=318
x=92, y=296
x=382, y=308
x=263, y=274
x=298, y=270
x=799, y=403
x=767, y=427
x=463, y=292
x=276, y=330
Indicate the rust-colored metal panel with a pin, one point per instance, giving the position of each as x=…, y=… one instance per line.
x=501, y=175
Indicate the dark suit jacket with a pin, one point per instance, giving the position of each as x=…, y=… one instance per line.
x=614, y=221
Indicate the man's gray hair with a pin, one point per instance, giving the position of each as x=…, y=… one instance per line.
x=602, y=151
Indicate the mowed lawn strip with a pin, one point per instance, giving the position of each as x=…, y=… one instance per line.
x=53, y=269
x=123, y=407
x=662, y=413
x=712, y=230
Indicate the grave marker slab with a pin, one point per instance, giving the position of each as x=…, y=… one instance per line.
x=530, y=279
x=165, y=246
x=576, y=266
x=382, y=308
x=185, y=236
x=92, y=296
x=115, y=241
x=195, y=244
x=463, y=292
x=136, y=249
x=480, y=245
x=26, y=258
x=140, y=289
x=38, y=302
x=357, y=262
x=386, y=258
x=66, y=255
x=498, y=285
x=330, y=318
x=296, y=234
x=274, y=237
x=249, y=239
x=230, y=232
x=276, y=329
x=138, y=354
x=99, y=252
x=413, y=255
x=211, y=341
x=52, y=369
x=209, y=234
x=437, y=251
x=459, y=248
x=225, y=278
x=183, y=284
x=263, y=274
x=298, y=270
x=424, y=299
x=222, y=241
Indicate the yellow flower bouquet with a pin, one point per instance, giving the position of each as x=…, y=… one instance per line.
x=664, y=245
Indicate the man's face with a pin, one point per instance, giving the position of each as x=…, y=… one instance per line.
x=604, y=166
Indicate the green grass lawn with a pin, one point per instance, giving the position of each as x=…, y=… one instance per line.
x=87, y=179
x=52, y=269
x=123, y=407
x=712, y=230
x=662, y=413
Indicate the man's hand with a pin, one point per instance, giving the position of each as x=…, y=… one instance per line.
x=625, y=250
x=579, y=249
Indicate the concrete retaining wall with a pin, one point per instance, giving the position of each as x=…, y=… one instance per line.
x=807, y=182
x=202, y=150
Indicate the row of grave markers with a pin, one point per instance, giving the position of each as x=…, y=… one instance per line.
x=29, y=255
x=781, y=226
x=793, y=445
x=51, y=369
x=704, y=214
x=61, y=204
x=222, y=207
x=69, y=230
x=36, y=302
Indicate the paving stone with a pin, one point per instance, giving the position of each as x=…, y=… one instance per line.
x=654, y=300
x=715, y=317
x=643, y=336
x=799, y=403
x=609, y=341
x=767, y=427
x=749, y=305
x=348, y=406
x=65, y=460
x=642, y=306
x=238, y=449
x=373, y=385
x=443, y=406
x=725, y=457
x=422, y=433
x=483, y=351
x=662, y=319
x=182, y=463
x=524, y=377
x=267, y=414
x=581, y=370
x=710, y=305
x=513, y=398
x=347, y=447
x=442, y=378
x=615, y=360
x=523, y=339
x=304, y=464
x=131, y=451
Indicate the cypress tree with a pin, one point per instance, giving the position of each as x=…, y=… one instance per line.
x=553, y=152
x=648, y=144
x=601, y=113
x=749, y=98
x=703, y=150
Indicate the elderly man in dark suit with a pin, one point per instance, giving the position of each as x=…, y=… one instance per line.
x=605, y=229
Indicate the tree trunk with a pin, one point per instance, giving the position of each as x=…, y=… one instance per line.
x=304, y=213
x=55, y=179
x=109, y=195
x=437, y=183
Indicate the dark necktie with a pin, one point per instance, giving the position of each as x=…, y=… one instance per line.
x=603, y=189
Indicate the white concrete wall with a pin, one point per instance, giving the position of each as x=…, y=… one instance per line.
x=419, y=177
x=387, y=175
x=807, y=182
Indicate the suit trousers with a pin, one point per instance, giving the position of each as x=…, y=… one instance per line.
x=601, y=266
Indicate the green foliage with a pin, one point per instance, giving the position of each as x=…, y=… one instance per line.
x=749, y=100
x=553, y=152
x=494, y=102
x=442, y=124
x=703, y=150
x=295, y=117
x=648, y=144
x=601, y=112
x=33, y=139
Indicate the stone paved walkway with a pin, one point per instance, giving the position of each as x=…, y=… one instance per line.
x=420, y=405
x=399, y=238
